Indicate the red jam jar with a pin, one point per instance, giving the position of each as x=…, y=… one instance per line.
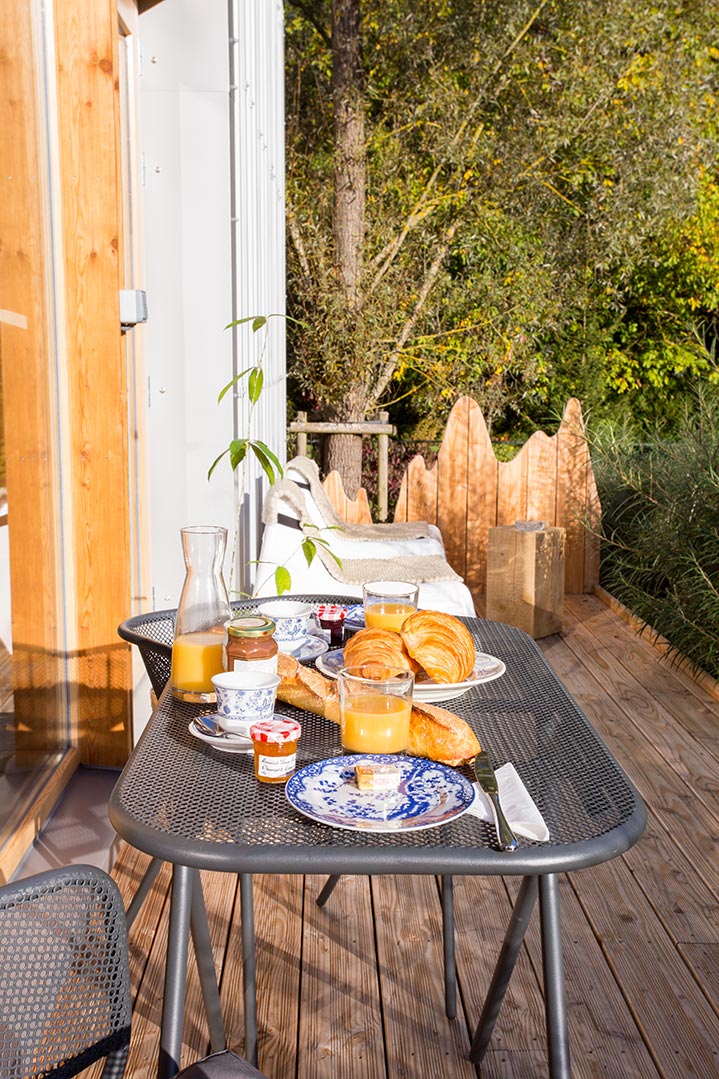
x=275, y=745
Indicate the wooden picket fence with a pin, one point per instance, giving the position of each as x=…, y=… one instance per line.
x=467, y=491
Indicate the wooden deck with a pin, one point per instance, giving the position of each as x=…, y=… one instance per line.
x=355, y=990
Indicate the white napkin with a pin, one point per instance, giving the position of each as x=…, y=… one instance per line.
x=519, y=809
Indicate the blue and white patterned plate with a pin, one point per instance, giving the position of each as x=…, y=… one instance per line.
x=429, y=794
x=354, y=618
x=486, y=669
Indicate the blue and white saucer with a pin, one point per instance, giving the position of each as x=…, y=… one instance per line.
x=208, y=730
x=312, y=647
x=429, y=794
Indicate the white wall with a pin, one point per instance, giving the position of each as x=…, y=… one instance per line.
x=213, y=193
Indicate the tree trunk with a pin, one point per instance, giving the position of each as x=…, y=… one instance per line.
x=349, y=147
x=344, y=453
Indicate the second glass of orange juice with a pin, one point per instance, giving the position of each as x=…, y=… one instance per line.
x=375, y=713
x=387, y=603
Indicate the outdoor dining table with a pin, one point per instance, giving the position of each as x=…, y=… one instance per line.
x=183, y=802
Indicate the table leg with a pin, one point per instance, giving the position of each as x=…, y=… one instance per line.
x=248, y=967
x=327, y=889
x=206, y=965
x=511, y=944
x=555, y=1002
x=173, y=1007
x=142, y=892
x=450, y=968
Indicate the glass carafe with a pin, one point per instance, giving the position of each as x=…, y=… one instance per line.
x=201, y=616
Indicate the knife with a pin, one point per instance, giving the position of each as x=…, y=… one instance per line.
x=488, y=782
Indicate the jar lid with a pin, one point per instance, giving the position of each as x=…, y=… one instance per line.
x=276, y=730
x=251, y=625
x=331, y=612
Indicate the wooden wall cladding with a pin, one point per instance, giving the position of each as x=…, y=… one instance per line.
x=88, y=126
x=468, y=491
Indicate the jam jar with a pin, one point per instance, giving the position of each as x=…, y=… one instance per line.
x=275, y=745
x=250, y=645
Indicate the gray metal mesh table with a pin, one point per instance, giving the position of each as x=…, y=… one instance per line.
x=182, y=801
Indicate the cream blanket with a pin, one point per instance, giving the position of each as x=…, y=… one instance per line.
x=309, y=471
x=413, y=568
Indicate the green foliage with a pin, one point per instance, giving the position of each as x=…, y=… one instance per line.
x=238, y=449
x=541, y=209
x=660, y=520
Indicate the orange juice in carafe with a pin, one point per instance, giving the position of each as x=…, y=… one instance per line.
x=196, y=657
x=203, y=611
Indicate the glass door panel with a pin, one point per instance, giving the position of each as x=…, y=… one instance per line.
x=34, y=736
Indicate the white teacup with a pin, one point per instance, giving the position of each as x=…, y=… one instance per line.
x=291, y=619
x=244, y=698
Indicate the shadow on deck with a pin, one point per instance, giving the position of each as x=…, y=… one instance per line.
x=355, y=990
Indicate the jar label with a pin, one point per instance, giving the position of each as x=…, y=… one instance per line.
x=252, y=665
x=276, y=767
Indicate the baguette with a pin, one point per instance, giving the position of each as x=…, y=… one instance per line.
x=433, y=732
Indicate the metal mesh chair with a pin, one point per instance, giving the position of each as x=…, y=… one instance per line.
x=65, y=982
x=225, y=1065
x=64, y=979
x=153, y=634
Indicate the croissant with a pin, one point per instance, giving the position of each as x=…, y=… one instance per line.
x=376, y=652
x=433, y=732
x=440, y=643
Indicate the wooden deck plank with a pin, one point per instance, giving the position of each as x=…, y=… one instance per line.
x=685, y=755
x=697, y=712
x=618, y=902
x=640, y=933
x=649, y=968
x=482, y=913
x=278, y=928
x=420, y=1041
x=341, y=1024
x=603, y=1035
x=687, y=821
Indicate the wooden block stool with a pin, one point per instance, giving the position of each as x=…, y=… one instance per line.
x=525, y=579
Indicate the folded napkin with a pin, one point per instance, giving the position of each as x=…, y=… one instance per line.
x=519, y=809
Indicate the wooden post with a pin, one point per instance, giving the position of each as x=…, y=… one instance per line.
x=383, y=470
x=525, y=579
x=302, y=436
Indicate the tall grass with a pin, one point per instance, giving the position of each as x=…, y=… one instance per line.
x=660, y=524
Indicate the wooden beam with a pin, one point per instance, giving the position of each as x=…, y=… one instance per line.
x=90, y=176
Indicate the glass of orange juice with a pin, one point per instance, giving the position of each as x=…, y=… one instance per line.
x=375, y=713
x=387, y=603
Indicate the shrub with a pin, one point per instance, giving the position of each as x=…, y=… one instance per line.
x=660, y=525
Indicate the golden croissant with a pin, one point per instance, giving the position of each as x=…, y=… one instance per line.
x=441, y=644
x=376, y=652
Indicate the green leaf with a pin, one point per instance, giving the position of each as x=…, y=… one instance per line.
x=242, y=321
x=238, y=451
x=258, y=322
x=216, y=462
x=268, y=453
x=309, y=549
x=337, y=560
x=232, y=382
x=283, y=580
x=255, y=384
x=264, y=462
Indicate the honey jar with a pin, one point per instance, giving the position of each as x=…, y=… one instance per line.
x=250, y=645
x=275, y=745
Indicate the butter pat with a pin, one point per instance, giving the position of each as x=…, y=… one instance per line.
x=377, y=777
